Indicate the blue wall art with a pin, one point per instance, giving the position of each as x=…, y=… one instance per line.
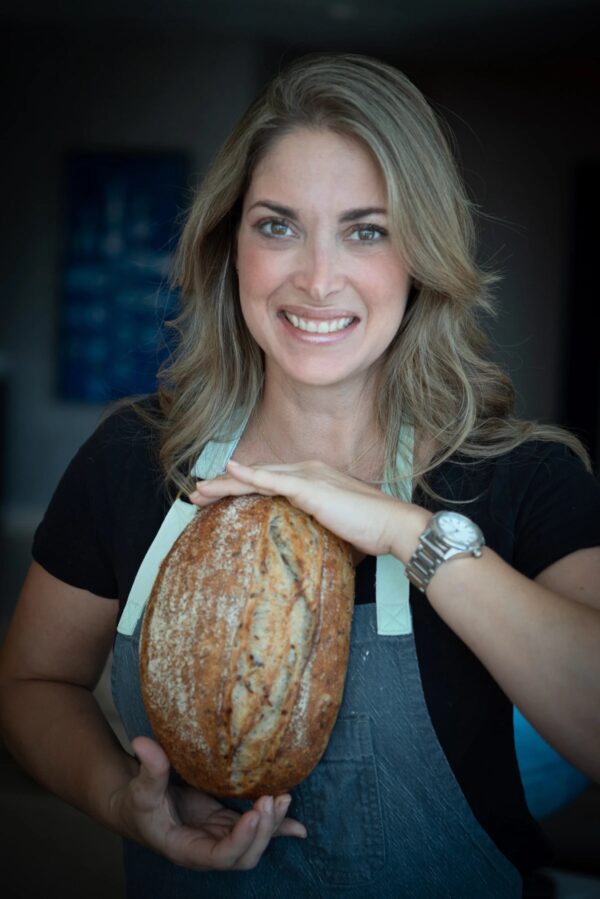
x=122, y=215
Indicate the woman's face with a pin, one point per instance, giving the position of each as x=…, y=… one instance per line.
x=322, y=289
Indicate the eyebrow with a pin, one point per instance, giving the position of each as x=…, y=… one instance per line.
x=351, y=215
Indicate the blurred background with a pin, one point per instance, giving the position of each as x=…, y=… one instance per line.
x=112, y=109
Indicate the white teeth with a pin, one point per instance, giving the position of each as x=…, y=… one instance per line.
x=321, y=327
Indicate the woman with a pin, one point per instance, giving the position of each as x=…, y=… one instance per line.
x=330, y=352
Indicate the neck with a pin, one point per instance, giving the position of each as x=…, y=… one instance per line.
x=336, y=426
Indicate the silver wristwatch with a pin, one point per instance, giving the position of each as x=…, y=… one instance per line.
x=448, y=535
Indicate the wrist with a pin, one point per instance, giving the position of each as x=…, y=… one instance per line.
x=115, y=817
x=449, y=535
x=407, y=531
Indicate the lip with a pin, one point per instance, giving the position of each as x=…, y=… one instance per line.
x=317, y=315
x=311, y=337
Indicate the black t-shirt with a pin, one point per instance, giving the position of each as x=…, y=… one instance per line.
x=535, y=505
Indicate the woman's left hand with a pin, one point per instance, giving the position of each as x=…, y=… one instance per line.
x=359, y=513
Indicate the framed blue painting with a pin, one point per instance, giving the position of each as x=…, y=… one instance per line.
x=122, y=213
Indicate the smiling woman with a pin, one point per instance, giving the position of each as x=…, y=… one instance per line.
x=322, y=289
x=330, y=352
x=347, y=111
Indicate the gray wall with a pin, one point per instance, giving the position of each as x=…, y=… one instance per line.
x=521, y=133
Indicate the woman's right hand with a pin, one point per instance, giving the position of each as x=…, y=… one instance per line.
x=191, y=828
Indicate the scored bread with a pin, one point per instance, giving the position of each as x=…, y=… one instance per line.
x=244, y=646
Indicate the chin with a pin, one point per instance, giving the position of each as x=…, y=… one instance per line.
x=325, y=378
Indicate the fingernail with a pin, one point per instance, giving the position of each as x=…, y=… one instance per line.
x=269, y=804
x=284, y=803
x=233, y=462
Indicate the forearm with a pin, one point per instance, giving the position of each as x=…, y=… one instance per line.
x=58, y=733
x=541, y=647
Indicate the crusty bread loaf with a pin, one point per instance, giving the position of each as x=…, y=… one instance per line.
x=244, y=646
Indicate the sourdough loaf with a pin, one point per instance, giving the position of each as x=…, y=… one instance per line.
x=244, y=646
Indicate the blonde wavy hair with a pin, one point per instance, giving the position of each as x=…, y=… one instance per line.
x=435, y=374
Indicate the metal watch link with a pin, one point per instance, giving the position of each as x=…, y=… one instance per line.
x=447, y=536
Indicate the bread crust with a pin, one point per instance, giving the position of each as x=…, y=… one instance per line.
x=244, y=646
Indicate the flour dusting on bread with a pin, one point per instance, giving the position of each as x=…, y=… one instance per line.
x=244, y=646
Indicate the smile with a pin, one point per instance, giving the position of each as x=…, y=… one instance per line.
x=319, y=327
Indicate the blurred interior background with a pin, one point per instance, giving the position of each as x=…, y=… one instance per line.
x=518, y=83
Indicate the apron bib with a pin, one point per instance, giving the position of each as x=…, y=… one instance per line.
x=384, y=813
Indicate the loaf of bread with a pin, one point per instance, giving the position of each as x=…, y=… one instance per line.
x=244, y=646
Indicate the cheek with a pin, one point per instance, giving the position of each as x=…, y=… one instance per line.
x=257, y=280
x=258, y=272
x=388, y=285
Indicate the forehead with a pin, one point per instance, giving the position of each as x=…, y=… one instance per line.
x=320, y=161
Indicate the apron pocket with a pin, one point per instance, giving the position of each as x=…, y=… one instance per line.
x=341, y=809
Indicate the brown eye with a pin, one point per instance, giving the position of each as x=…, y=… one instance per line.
x=368, y=233
x=275, y=228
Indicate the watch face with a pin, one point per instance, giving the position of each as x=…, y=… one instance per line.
x=458, y=530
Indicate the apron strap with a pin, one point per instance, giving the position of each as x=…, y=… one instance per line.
x=211, y=462
x=392, y=587
x=215, y=456
x=178, y=517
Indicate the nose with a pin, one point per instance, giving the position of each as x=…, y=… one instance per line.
x=319, y=271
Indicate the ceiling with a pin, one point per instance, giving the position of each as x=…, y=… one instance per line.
x=497, y=29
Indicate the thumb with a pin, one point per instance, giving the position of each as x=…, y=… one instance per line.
x=153, y=776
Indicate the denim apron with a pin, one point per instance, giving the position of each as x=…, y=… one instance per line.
x=384, y=813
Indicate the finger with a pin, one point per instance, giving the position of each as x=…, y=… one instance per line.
x=197, y=808
x=282, y=804
x=264, y=832
x=272, y=480
x=152, y=779
x=287, y=827
x=208, y=492
x=240, y=480
x=207, y=848
x=227, y=853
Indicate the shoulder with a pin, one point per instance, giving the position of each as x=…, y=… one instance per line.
x=540, y=468
x=127, y=434
x=120, y=457
x=553, y=500
x=540, y=454
x=129, y=422
x=519, y=469
x=109, y=501
x=535, y=503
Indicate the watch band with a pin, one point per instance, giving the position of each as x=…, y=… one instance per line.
x=434, y=549
x=425, y=560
